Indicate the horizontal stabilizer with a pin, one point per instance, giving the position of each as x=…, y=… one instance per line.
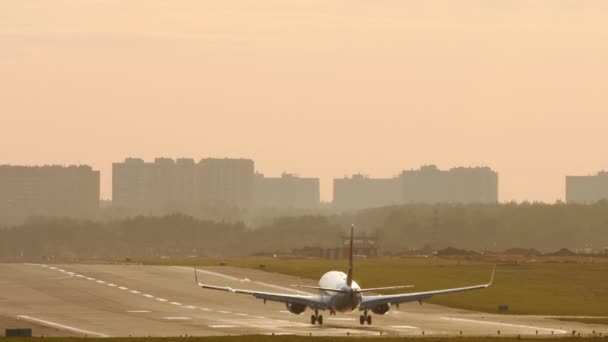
x=354, y=290
x=321, y=288
x=386, y=288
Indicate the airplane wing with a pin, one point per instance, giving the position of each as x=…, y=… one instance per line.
x=312, y=301
x=369, y=302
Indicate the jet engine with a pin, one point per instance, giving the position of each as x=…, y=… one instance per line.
x=295, y=308
x=381, y=309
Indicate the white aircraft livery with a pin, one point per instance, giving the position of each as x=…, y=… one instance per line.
x=338, y=292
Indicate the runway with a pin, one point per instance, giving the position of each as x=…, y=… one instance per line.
x=134, y=300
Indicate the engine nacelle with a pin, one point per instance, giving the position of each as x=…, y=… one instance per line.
x=381, y=309
x=295, y=308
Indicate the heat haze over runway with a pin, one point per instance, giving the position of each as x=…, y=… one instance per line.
x=123, y=300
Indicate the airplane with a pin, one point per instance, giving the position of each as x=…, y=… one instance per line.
x=338, y=292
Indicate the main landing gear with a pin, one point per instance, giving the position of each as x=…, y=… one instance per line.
x=316, y=318
x=365, y=318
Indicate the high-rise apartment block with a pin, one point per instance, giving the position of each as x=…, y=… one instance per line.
x=587, y=189
x=287, y=192
x=360, y=191
x=168, y=186
x=426, y=185
x=49, y=191
x=457, y=185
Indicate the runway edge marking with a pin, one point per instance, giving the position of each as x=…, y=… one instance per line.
x=61, y=326
x=559, y=331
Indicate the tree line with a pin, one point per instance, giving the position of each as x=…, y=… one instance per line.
x=396, y=230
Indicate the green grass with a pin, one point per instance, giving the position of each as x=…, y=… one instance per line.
x=527, y=288
x=603, y=321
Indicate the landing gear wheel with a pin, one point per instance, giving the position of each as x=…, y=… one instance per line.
x=320, y=319
x=362, y=319
x=313, y=319
x=369, y=320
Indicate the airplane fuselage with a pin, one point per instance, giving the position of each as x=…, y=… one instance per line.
x=340, y=302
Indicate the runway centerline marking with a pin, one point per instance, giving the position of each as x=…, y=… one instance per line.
x=402, y=327
x=61, y=326
x=219, y=326
x=134, y=291
x=176, y=303
x=559, y=331
x=177, y=318
x=148, y=295
x=161, y=299
x=224, y=312
x=122, y=288
x=189, y=307
x=139, y=311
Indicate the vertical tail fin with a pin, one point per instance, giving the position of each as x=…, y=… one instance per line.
x=349, y=276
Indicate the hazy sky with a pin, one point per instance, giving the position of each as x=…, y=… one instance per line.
x=314, y=87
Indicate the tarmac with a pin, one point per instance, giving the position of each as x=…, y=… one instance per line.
x=108, y=300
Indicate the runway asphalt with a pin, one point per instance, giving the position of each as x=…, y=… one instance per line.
x=133, y=300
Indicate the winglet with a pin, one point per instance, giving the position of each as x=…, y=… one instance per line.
x=349, y=276
x=492, y=277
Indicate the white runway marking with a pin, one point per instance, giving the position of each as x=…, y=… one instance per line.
x=339, y=319
x=244, y=280
x=225, y=312
x=161, y=299
x=139, y=311
x=148, y=295
x=53, y=268
x=66, y=277
x=112, y=285
x=206, y=309
x=134, y=291
x=176, y=303
x=189, y=307
x=219, y=326
x=402, y=327
x=209, y=273
x=122, y=288
x=101, y=281
x=177, y=318
x=89, y=278
x=61, y=326
x=80, y=276
x=242, y=314
x=559, y=331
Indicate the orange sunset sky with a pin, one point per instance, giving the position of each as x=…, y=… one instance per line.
x=319, y=88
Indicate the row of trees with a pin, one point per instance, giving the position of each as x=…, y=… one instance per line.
x=174, y=235
x=493, y=227
x=396, y=229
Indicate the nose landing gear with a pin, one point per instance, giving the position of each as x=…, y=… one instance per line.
x=365, y=318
